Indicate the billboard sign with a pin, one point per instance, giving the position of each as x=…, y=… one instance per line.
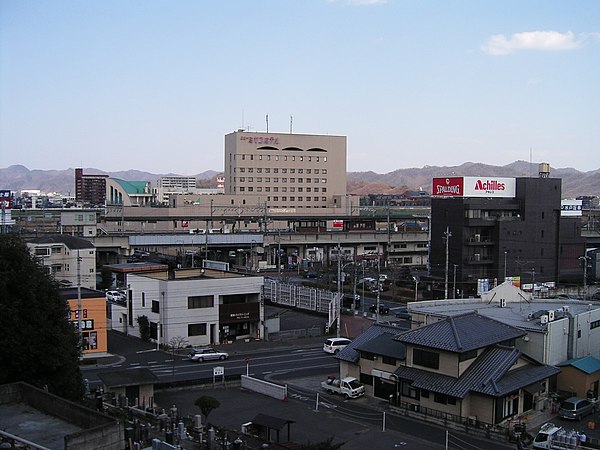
x=5, y=199
x=474, y=187
x=571, y=208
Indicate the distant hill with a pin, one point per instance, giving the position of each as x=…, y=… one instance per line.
x=574, y=182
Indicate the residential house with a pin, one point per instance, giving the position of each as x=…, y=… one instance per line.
x=579, y=377
x=464, y=366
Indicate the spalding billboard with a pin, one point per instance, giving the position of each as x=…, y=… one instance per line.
x=474, y=187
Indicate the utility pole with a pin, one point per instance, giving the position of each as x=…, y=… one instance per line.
x=339, y=292
x=454, y=283
x=504, y=267
x=79, y=311
x=584, y=258
x=447, y=236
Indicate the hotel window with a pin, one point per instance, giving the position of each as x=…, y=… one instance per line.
x=300, y=189
x=293, y=170
x=315, y=180
x=250, y=179
x=315, y=172
x=308, y=190
x=267, y=179
x=323, y=189
x=309, y=158
x=243, y=157
x=300, y=180
x=242, y=169
x=283, y=170
x=324, y=158
x=250, y=189
x=308, y=180
x=267, y=170
x=242, y=189
x=292, y=199
x=267, y=189
x=260, y=157
x=301, y=158
x=317, y=158
x=250, y=170
x=284, y=199
x=316, y=199
x=324, y=180
x=259, y=179
x=284, y=189
x=242, y=179
x=275, y=189
x=284, y=180
x=268, y=157
x=292, y=180
x=276, y=199
x=293, y=158
x=258, y=189
x=251, y=157
x=300, y=199
x=276, y=157
x=323, y=199
x=276, y=170
x=285, y=157
x=292, y=189
x=258, y=170
x=323, y=171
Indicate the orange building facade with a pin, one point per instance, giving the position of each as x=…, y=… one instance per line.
x=93, y=318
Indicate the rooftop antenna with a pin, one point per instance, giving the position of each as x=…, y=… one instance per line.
x=291, y=123
x=242, y=119
x=530, y=160
x=267, y=119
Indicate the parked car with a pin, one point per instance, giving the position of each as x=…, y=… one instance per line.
x=575, y=408
x=596, y=296
x=206, y=354
x=115, y=296
x=348, y=300
x=335, y=345
x=310, y=274
x=382, y=309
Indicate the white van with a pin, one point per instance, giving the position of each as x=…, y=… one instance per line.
x=334, y=345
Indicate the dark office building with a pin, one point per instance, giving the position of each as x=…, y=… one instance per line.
x=90, y=190
x=496, y=227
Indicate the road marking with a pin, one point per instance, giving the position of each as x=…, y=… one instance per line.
x=134, y=364
x=152, y=362
x=146, y=351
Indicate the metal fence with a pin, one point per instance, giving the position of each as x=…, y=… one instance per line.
x=302, y=297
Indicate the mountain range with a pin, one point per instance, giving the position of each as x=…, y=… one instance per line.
x=574, y=182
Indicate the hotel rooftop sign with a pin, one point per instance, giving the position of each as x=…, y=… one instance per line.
x=474, y=187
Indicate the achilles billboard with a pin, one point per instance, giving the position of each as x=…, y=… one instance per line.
x=473, y=187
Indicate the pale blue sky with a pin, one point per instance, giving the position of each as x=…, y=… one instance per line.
x=155, y=85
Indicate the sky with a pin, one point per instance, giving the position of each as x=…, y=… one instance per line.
x=156, y=85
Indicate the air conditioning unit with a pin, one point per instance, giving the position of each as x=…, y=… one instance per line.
x=477, y=256
x=544, y=319
x=477, y=238
x=502, y=303
x=550, y=316
x=566, y=308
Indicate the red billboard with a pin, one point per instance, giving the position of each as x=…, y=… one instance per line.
x=448, y=187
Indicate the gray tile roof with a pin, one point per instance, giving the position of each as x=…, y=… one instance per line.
x=350, y=354
x=72, y=242
x=490, y=375
x=461, y=333
x=384, y=345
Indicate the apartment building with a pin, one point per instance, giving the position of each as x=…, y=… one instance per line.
x=90, y=189
x=293, y=172
x=71, y=260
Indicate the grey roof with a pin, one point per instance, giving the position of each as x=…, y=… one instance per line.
x=72, y=242
x=490, y=375
x=129, y=377
x=461, y=333
x=384, y=345
x=350, y=353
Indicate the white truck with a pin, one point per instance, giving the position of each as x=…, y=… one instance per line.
x=551, y=436
x=349, y=387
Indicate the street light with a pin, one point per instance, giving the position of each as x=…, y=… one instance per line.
x=416, y=288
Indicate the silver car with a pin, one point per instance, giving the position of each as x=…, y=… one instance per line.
x=206, y=354
x=575, y=408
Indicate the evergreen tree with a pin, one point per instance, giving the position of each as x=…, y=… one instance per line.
x=38, y=343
